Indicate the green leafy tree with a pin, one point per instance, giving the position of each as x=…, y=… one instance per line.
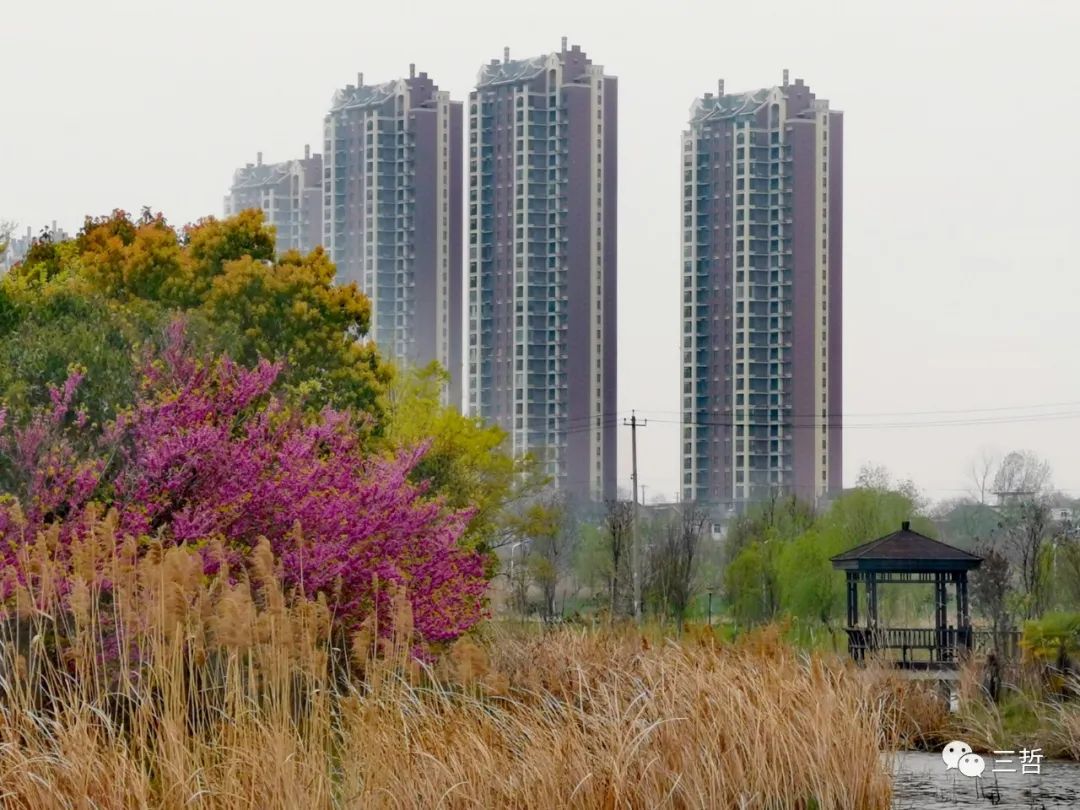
x=468, y=461
x=1055, y=638
x=223, y=275
x=782, y=517
x=549, y=525
x=1067, y=570
x=966, y=523
x=750, y=585
x=44, y=335
x=809, y=587
x=781, y=558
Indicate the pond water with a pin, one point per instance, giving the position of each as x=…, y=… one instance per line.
x=922, y=783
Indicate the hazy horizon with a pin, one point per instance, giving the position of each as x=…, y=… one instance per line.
x=960, y=174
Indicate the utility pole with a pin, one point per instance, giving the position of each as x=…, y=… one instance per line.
x=635, y=551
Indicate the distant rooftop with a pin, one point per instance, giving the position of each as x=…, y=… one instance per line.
x=514, y=70
x=511, y=71
x=368, y=95
x=730, y=105
x=251, y=176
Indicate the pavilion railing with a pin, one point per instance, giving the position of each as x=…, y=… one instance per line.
x=941, y=646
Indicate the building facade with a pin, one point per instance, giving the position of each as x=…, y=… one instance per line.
x=762, y=272
x=392, y=198
x=290, y=196
x=543, y=263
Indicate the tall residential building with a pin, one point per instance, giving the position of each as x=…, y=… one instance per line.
x=289, y=194
x=393, y=214
x=542, y=261
x=761, y=295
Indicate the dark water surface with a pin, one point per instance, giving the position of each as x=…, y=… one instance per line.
x=922, y=783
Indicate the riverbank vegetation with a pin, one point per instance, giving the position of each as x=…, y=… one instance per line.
x=152, y=685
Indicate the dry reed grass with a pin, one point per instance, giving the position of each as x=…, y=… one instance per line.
x=1028, y=714
x=239, y=699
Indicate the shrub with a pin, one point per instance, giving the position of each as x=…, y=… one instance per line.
x=207, y=452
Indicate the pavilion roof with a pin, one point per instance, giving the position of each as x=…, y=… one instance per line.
x=906, y=551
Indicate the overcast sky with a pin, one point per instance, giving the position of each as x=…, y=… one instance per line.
x=962, y=175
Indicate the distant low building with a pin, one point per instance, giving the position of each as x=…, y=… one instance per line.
x=289, y=195
x=1065, y=515
x=717, y=519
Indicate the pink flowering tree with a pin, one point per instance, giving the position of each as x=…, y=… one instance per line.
x=208, y=452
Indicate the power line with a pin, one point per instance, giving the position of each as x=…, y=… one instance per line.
x=801, y=423
x=999, y=408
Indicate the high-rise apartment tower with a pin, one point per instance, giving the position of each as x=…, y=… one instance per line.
x=543, y=264
x=392, y=198
x=762, y=269
x=290, y=196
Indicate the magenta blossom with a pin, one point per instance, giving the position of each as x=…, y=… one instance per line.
x=207, y=451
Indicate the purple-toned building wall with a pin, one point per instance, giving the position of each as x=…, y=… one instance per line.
x=804, y=406
x=579, y=229
x=290, y=196
x=836, y=300
x=311, y=226
x=533, y=144
x=457, y=268
x=400, y=142
x=754, y=265
x=611, y=286
x=426, y=157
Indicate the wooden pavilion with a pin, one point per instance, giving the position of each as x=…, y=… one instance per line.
x=907, y=556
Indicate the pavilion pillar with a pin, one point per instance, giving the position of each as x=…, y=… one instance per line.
x=965, y=608
x=871, y=607
x=854, y=648
x=940, y=615
x=959, y=602
x=852, y=599
x=963, y=617
x=872, y=635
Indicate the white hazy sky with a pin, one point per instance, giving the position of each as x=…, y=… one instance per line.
x=962, y=290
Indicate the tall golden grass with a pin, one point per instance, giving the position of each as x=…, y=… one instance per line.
x=1033, y=711
x=240, y=698
x=1036, y=708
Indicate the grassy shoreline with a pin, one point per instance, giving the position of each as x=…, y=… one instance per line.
x=163, y=689
x=568, y=718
